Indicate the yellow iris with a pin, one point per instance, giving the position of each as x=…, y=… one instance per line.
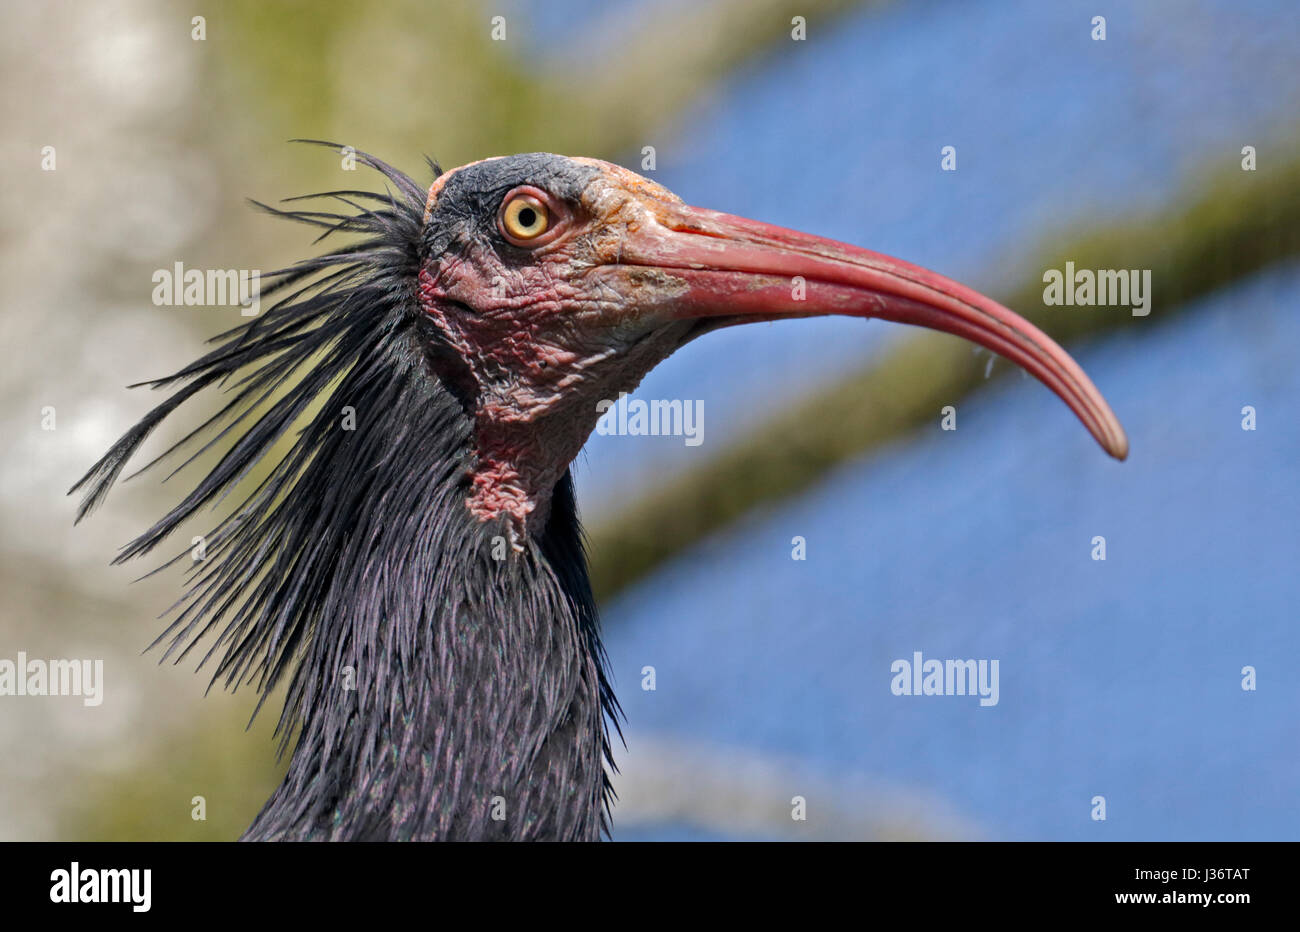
x=525, y=217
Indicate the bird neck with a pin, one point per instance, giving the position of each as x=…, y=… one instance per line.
x=459, y=691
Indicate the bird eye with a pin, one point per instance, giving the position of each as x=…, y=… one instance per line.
x=524, y=217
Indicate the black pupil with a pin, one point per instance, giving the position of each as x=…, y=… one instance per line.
x=527, y=217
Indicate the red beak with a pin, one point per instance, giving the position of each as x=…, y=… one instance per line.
x=729, y=267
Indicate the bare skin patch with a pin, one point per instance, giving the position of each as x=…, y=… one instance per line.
x=432, y=200
x=547, y=335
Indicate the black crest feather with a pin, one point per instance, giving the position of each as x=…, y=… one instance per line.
x=354, y=555
x=345, y=325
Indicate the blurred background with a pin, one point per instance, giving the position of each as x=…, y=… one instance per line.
x=1119, y=678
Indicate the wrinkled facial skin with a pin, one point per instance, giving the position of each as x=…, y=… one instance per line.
x=542, y=339
x=534, y=329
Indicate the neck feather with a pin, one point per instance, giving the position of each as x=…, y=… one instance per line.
x=454, y=685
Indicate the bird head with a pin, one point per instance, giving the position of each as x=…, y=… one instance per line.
x=554, y=283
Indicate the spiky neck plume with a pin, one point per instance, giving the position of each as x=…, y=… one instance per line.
x=441, y=684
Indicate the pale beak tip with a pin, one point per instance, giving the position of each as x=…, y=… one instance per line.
x=1117, y=443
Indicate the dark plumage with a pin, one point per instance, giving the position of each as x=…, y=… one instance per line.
x=421, y=578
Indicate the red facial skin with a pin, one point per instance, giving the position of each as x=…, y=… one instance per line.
x=624, y=278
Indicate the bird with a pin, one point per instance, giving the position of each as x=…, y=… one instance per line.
x=404, y=552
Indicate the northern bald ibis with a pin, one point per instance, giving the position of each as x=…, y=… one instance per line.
x=420, y=578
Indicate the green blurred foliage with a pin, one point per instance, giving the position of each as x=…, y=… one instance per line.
x=233, y=769
x=409, y=76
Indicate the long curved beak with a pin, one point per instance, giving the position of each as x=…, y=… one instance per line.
x=721, y=266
